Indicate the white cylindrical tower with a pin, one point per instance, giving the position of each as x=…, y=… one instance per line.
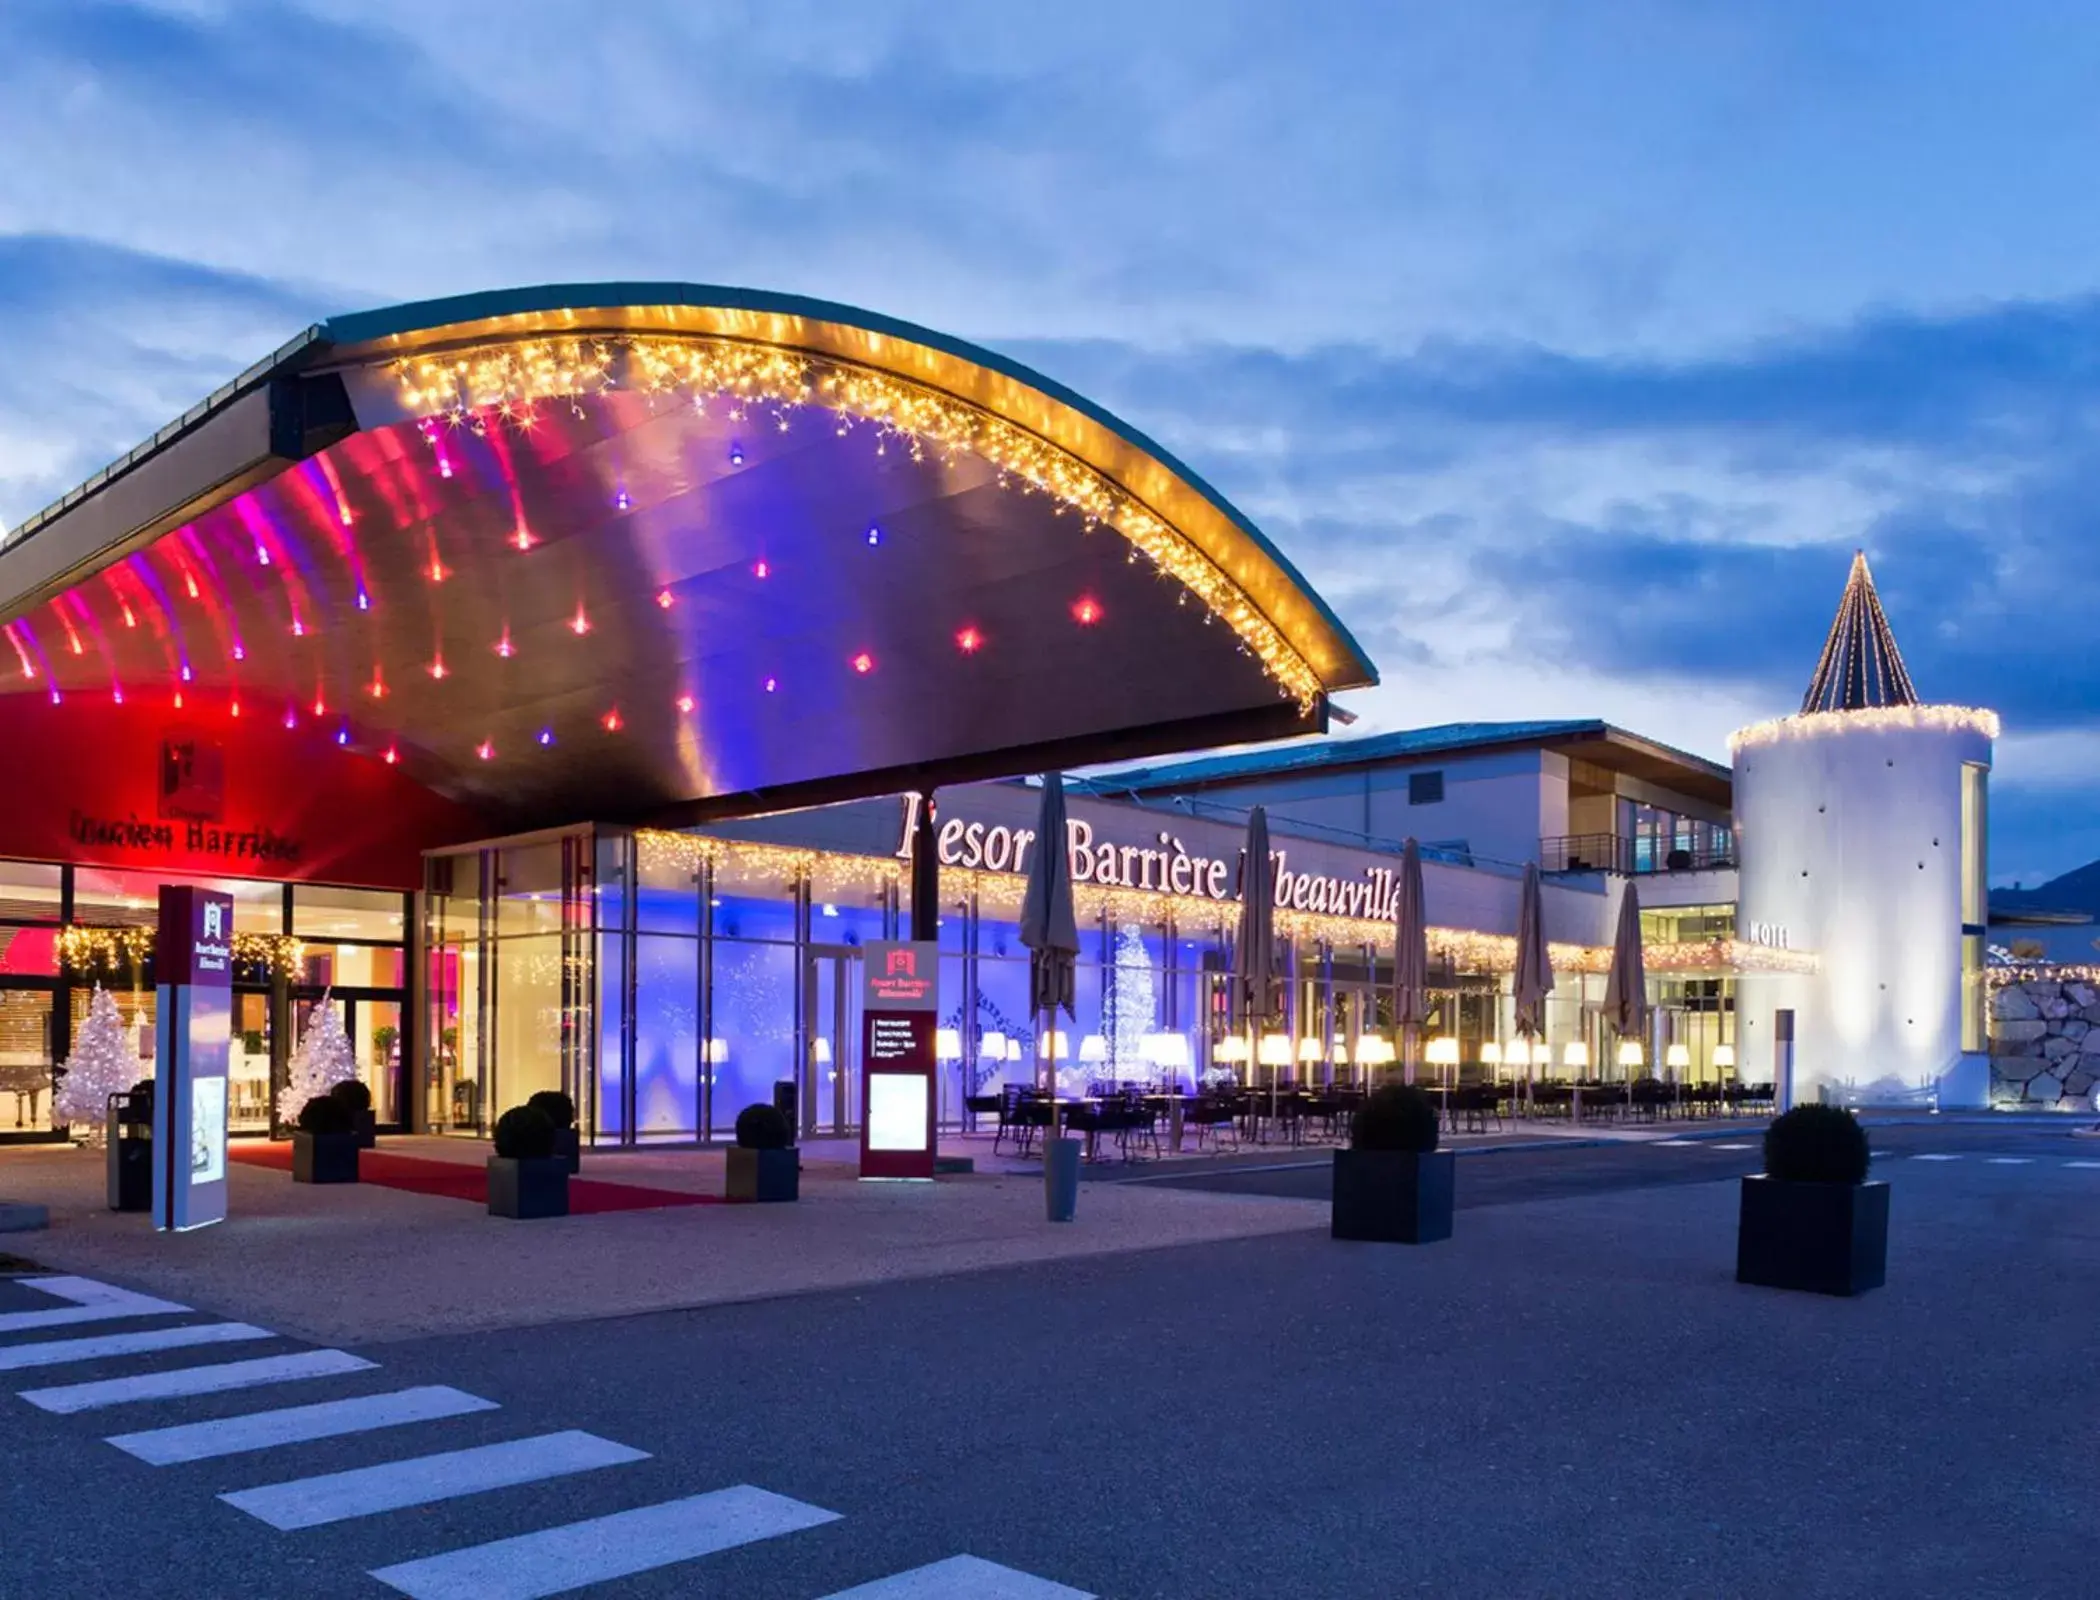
x=1861, y=829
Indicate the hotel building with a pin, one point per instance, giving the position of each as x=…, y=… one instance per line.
x=569, y=683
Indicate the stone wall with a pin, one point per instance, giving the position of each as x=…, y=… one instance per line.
x=2045, y=1043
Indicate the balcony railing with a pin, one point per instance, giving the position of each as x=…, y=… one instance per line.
x=1608, y=852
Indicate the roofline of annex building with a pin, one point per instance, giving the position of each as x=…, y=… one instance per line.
x=289, y=407
x=1590, y=740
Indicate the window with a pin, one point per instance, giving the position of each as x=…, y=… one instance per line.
x=1425, y=788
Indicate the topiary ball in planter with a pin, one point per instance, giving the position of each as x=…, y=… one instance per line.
x=354, y=1094
x=324, y=1148
x=1393, y=1185
x=1810, y=1220
x=765, y=1165
x=560, y=1110
x=527, y=1179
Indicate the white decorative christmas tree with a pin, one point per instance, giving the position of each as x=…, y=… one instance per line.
x=1131, y=1012
x=323, y=1060
x=103, y=1063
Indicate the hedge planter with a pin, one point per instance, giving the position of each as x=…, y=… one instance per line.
x=764, y=1174
x=324, y=1157
x=528, y=1187
x=1393, y=1196
x=568, y=1146
x=1827, y=1238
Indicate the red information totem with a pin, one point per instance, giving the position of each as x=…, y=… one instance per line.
x=193, y=1032
x=900, y=1006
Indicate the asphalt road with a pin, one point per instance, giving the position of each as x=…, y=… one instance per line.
x=1572, y=1397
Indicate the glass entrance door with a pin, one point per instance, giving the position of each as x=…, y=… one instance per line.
x=828, y=1092
x=25, y=1061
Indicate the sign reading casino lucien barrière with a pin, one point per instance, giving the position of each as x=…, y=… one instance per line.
x=1163, y=863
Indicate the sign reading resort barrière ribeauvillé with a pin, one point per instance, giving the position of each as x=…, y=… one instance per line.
x=900, y=1006
x=193, y=1028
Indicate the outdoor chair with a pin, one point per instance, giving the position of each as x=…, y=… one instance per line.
x=1214, y=1115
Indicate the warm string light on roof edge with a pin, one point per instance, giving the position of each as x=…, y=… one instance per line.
x=85, y=949
x=1461, y=949
x=507, y=379
x=1830, y=724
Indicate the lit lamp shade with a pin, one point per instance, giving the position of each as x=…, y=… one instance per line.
x=1340, y=1055
x=1167, y=1051
x=1233, y=1047
x=1677, y=1057
x=1491, y=1054
x=1275, y=1050
x=717, y=1051
x=1056, y=1043
x=992, y=1047
x=1724, y=1055
x=823, y=1052
x=1541, y=1054
x=1308, y=1049
x=1093, y=1049
x=1630, y=1053
x=1441, y=1052
x=947, y=1044
x=1374, y=1050
x=1576, y=1056
x=1014, y=1052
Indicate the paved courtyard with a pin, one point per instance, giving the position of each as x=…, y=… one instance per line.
x=1572, y=1397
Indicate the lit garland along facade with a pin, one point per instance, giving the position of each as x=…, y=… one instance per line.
x=87, y=950
x=1462, y=950
x=1829, y=724
x=505, y=381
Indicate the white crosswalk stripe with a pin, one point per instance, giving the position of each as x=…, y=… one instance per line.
x=961, y=1578
x=2009, y=1161
x=2088, y=1165
x=557, y=1560
x=421, y=1480
x=186, y=1381
x=1941, y=1155
x=330, y=1419
x=91, y=1302
x=1732, y=1147
x=57, y=1352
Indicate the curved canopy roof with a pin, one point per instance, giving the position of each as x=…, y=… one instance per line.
x=655, y=550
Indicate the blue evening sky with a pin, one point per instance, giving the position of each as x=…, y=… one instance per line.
x=1569, y=348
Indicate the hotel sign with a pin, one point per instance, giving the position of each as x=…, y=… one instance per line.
x=1162, y=863
x=900, y=1005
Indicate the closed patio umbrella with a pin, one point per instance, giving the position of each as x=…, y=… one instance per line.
x=1534, y=974
x=1626, y=989
x=1050, y=930
x=1254, y=951
x=1410, y=958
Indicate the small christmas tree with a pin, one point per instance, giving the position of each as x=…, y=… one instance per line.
x=103, y=1063
x=323, y=1060
x=1131, y=1011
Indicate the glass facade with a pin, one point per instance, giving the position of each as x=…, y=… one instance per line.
x=66, y=930
x=667, y=981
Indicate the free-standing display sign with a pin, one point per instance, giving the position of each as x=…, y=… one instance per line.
x=900, y=1007
x=193, y=1030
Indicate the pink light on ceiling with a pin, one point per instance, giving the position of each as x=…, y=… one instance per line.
x=1086, y=611
x=580, y=624
x=969, y=641
x=864, y=663
x=612, y=720
x=437, y=668
x=685, y=704
x=486, y=750
x=665, y=599
x=504, y=647
x=392, y=755
x=21, y=652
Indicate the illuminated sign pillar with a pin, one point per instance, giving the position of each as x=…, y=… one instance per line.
x=193, y=1031
x=900, y=1006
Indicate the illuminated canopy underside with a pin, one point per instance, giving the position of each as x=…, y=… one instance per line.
x=571, y=556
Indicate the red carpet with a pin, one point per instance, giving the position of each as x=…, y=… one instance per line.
x=459, y=1180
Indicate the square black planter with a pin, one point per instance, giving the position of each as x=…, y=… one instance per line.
x=324, y=1157
x=1393, y=1196
x=1827, y=1238
x=526, y=1189
x=367, y=1128
x=764, y=1174
x=568, y=1145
